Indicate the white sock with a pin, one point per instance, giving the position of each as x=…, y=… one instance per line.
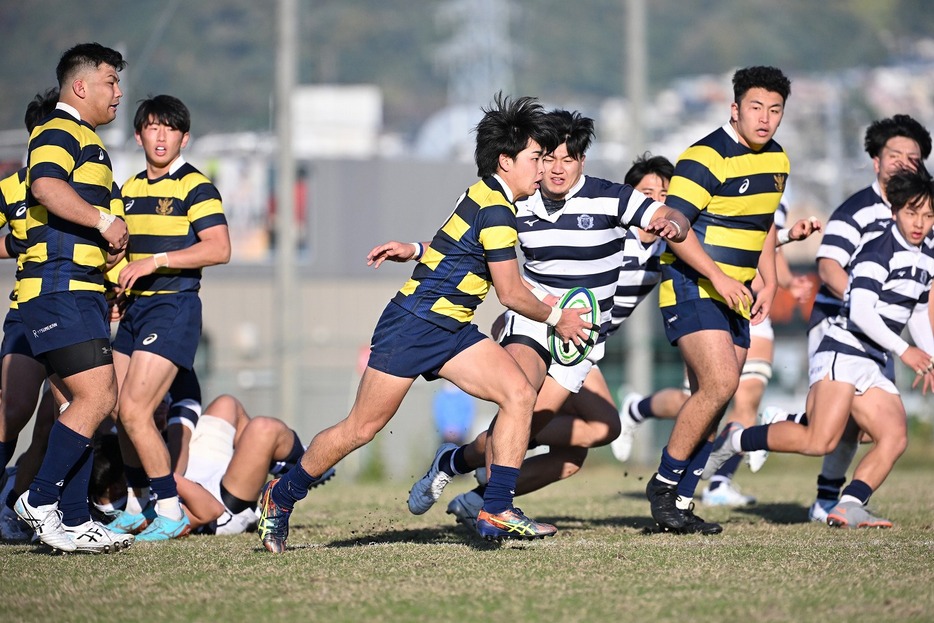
x=850, y=498
x=169, y=507
x=683, y=503
x=136, y=503
x=734, y=440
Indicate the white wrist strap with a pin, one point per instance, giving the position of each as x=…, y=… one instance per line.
x=419, y=250
x=106, y=220
x=554, y=317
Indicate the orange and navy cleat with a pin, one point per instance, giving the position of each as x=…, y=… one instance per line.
x=273, y=526
x=511, y=524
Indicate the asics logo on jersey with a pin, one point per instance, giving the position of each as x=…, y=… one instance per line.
x=744, y=187
x=21, y=209
x=532, y=221
x=152, y=337
x=129, y=205
x=100, y=156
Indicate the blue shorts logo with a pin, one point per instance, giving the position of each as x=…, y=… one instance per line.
x=152, y=337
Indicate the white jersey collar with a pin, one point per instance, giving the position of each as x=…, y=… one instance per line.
x=506, y=190
x=71, y=110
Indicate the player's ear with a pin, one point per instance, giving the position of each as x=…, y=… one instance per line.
x=734, y=112
x=505, y=162
x=185, y=138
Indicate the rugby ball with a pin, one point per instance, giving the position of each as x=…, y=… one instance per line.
x=570, y=354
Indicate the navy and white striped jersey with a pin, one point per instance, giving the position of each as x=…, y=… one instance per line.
x=639, y=273
x=896, y=272
x=859, y=219
x=582, y=243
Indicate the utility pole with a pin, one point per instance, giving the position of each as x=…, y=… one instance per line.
x=287, y=287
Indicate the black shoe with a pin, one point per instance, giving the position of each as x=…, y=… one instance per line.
x=695, y=525
x=662, y=498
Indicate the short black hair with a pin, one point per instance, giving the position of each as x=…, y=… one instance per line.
x=768, y=78
x=40, y=107
x=880, y=131
x=506, y=128
x=909, y=188
x=108, y=464
x=647, y=164
x=87, y=55
x=164, y=109
x=573, y=129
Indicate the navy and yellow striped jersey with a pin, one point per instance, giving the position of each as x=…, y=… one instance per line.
x=13, y=214
x=452, y=277
x=166, y=214
x=62, y=256
x=730, y=193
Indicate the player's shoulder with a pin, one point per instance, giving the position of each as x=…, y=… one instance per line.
x=596, y=187
x=864, y=198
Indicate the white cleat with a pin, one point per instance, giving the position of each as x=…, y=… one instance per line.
x=428, y=489
x=727, y=494
x=46, y=521
x=95, y=538
x=622, y=445
x=465, y=508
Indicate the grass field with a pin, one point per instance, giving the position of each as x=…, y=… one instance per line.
x=356, y=554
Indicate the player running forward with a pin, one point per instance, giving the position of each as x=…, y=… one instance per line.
x=572, y=233
x=730, y=184
x=890, y=282
x=426, y=329
x=895, y=143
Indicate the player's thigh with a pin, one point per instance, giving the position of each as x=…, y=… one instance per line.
x=828, y=408
x=22, y=378
x=710, y=355
x=881, y=414
x=148, y=378
x=378, y=398
x=487, y=371
x=594, y=402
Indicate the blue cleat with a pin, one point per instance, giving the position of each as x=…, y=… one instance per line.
x=163, y=528
x=132, y=523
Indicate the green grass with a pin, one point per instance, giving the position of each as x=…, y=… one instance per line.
x=356, y=554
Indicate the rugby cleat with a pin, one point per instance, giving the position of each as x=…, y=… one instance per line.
x=428, y=489
x=12, y=528
x=695, y=525
x=165, y=528
x=855, y=515
x=97, y=539
x=511, y=524
x=662, y=497
x=622, y=445
x=820, y=508
x=46, y=522
x=465, y=508
x=727, y=494
x=326, y=476
x=722, y=450
x=132, y=523
x=273, y=526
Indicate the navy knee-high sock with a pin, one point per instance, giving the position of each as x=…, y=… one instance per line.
x=7, y=448
x=500, y=489
x=74, y=501
x=66, y=448
x=688, y=483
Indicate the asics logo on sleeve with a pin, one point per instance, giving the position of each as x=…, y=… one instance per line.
x=744, y=187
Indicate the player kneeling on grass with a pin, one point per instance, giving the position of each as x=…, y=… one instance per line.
x=889, y=287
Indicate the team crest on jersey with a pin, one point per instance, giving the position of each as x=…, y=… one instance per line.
x=780, y=182
x=165, y=207
x=584, y=221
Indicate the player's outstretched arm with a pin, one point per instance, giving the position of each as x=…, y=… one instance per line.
x=395, y=251
x=669, y=224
